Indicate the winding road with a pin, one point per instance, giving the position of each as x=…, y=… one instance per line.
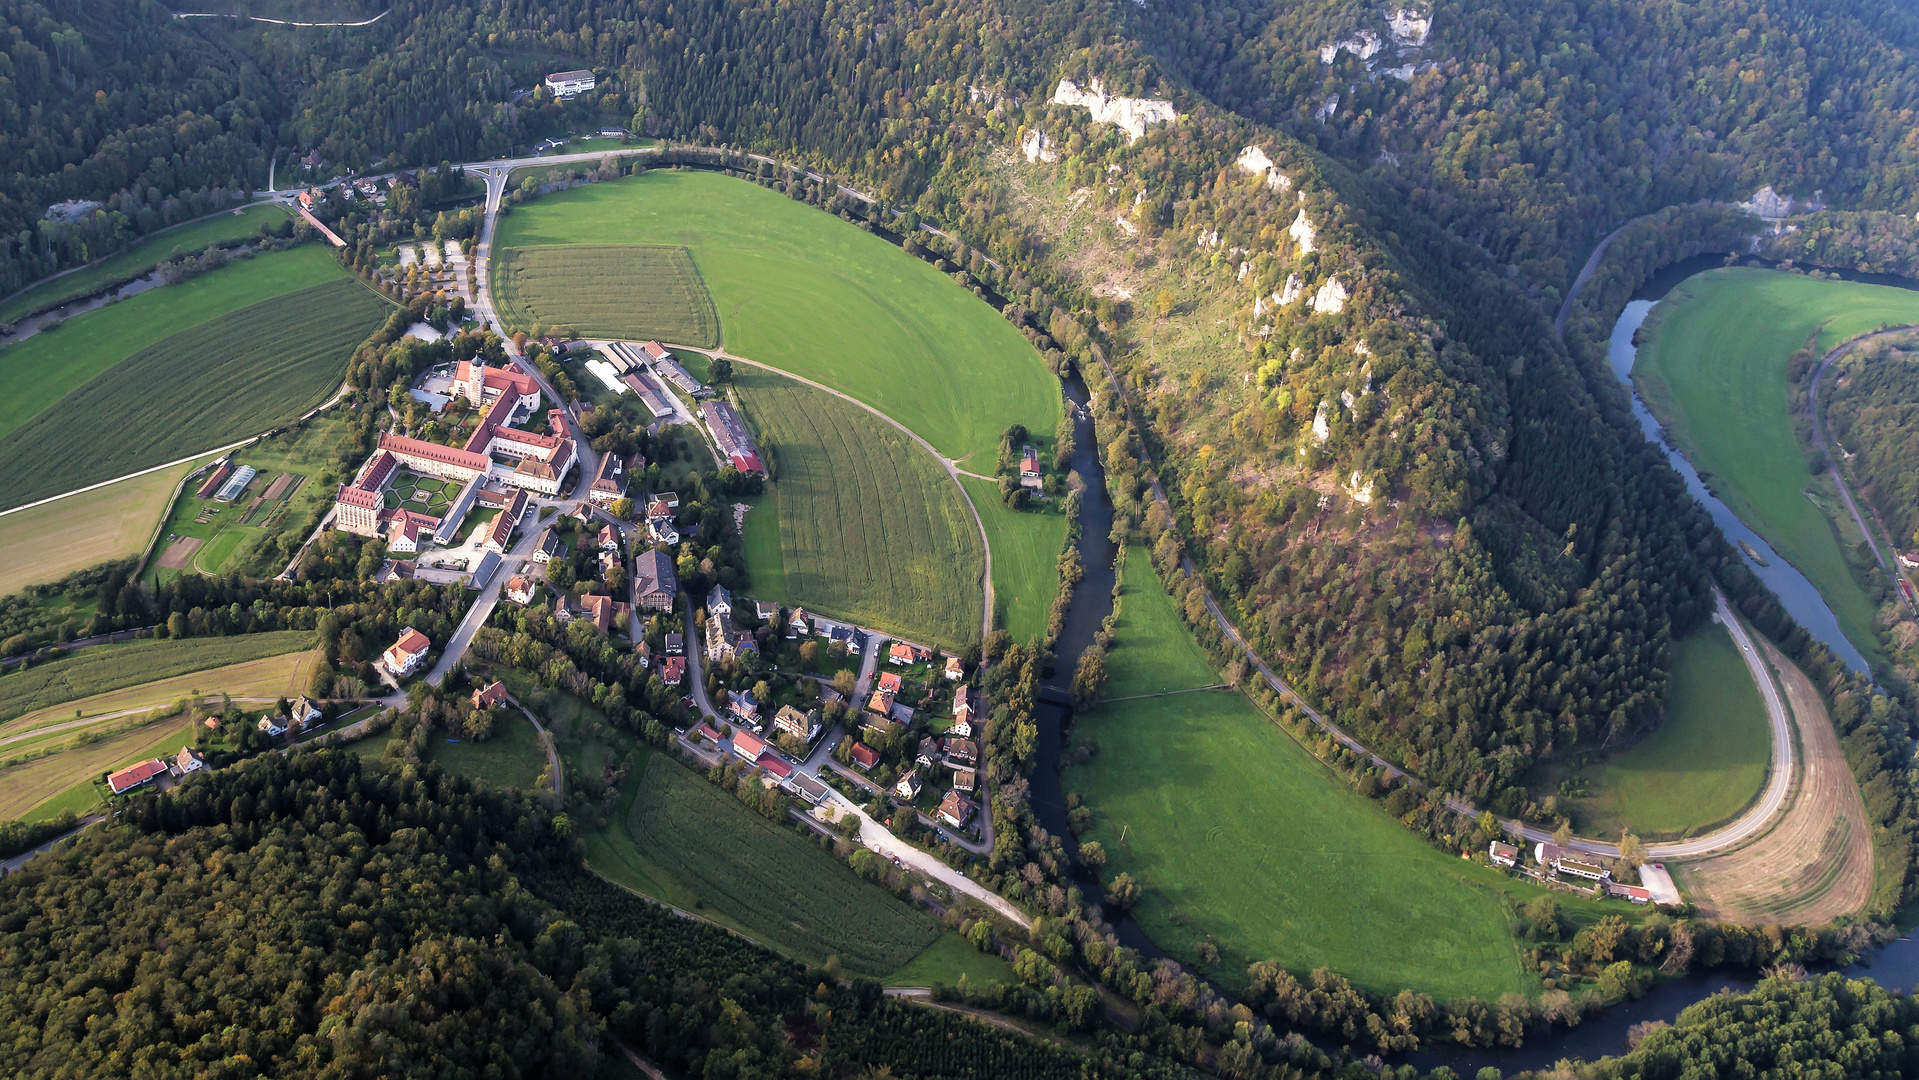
x=1820, y=443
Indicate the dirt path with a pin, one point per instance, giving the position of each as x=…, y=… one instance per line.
x=1816, y=863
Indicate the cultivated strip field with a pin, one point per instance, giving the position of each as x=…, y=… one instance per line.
x=284, y=674
x=805, y=292
x=46, y=543
x=776, y=885
x=111, y=667
x=1815, y=864
x=629, y=291
x=871, y=528
x=205, y=387
x=41, y=370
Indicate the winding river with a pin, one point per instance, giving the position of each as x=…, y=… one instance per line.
x=1895, y=966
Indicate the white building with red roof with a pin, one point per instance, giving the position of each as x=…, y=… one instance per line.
x=135, y=775
x=405, y=656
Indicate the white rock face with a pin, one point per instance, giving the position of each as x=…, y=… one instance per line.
x=1404, y=73
x=1302, y=232
x=1410, y=28
x=1244, y=269
x=1131, y=115
x=1361, y=493
x=1326, y=109
x=1293, y=290
x=1769, y=204
x=1126, y=226
x=1330, y=299
x=1363, y=45
x=1209, y=238
x=1254, y=161
x=1347, y=399
x=1037, y=147
x=1321, y=429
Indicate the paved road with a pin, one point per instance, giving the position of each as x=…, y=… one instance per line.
x=483, y=604
x=552, y=750
x=1820, y=443
x=8, y=866
x=695, y=660
x=276, y=22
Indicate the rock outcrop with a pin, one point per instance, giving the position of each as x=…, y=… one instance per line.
x=1131, y=115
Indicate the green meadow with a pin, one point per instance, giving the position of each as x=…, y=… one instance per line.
x=1238, y=834
x=871, y=528
x=1705, y=762
x=143, y=256
x=512, y=756
x=808, y=293
x=46, y=367
x=1712, y=367
x=1026, y=546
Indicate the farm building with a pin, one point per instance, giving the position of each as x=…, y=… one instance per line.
x=1029, y=474
x=566, y=84
x=650, y=392
x=214, y=479
x=236, y=483
x=1630, y=892
x=731, y=433
x=135, y=775
x=668, y=366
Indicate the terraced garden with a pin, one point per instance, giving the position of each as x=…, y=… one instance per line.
x=627, y=291
x=808, y=293
x=870, y=527
x=776, y=885
x=234, y=376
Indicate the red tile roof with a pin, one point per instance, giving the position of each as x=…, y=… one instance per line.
x=134, y=775
x=746, y=743
x=403, y=447
x=865, y=756
x=890, y=681
x=360, y=497
x=493, y=694
x=413, y=642
x=774, y=765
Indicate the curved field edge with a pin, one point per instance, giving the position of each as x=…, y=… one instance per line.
x=46, y=543
x=1704, y=764
x=111, y=667
x=870, y=527
x=215, y=383
x=775, y=884
x=1026, y=547
x=1713, y=368
x=805, y=292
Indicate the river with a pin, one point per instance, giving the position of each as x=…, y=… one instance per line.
x=1896, y=965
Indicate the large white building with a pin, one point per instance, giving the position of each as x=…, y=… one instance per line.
x=566, y=84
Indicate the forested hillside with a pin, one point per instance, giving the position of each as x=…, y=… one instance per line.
x=1532, y=128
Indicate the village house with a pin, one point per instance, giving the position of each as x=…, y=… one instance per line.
x=609, y=538
x=188, y=760
x=719, y=601
x=955, y=671
x=890, y=682
x=1503, y=854
x=929, y=752
x=522, y=590
x=909, y=786
x=748, y=746
x=798, y=624
x=955, y=810
x=604, y=611
x=964, y=779
x=609, y=480
x=962, y=724
x=881, y=702
x=273, y=724
x=549, y=547
x=741, y=706
x=963, y=751
x=808, y=788
x=675, y=643
x=490, y=696
x=672, y=670
x=720, y=641
x=706, y=732
x=499, y=532
x=1029, y=474
x=765, y=610
x=406, y=655
x=865, y=756
x=655, y=583
x=135, y=775
x=899, y=653
x=803, y=724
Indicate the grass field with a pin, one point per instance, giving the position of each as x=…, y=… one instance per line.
x=143, y=256
x=41, y=370
x=1713, y=369
x=281, y=675
x=760, y=543
x=1153, y=652
x=1238, y=833
x=195, y=390
x=946, y=959
x=512, y=757
x=629, y=291
x=1704, y=764
x=779, y=887
x=49, y=542
x=67, y=776
x=111, y=667
x=871, y=528
x=808, y=293
x=1026, y=550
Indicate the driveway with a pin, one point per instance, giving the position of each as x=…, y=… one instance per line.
x=482, y=608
